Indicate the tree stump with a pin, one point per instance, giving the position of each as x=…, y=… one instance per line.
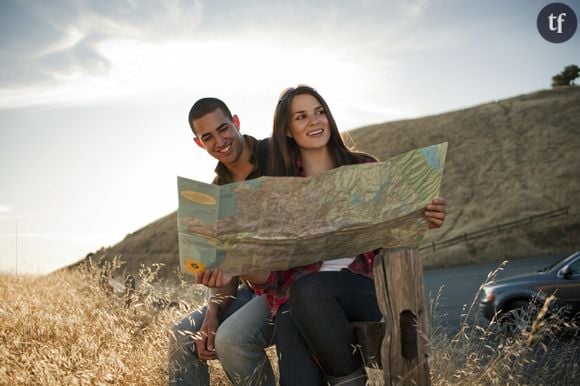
x=399, y=284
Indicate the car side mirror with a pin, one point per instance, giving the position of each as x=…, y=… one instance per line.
x=566, y=271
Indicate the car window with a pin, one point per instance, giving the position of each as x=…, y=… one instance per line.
x=553, y=265
x=575, y=267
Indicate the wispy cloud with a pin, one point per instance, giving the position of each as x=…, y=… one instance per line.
x=415, y=8
x=126, y=52
x=46, y=42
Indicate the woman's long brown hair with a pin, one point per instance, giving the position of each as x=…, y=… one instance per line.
x=284, y=151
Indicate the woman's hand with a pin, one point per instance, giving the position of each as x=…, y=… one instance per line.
x=435, y=212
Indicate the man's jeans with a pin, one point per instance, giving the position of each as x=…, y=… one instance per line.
x=238, y=347
x=185, y=368
x=241, y=341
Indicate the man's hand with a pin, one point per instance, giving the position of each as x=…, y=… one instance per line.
x=435, y=212
x=205, y=338
x=213, y=278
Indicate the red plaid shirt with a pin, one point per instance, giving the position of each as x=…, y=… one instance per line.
x=277, y=288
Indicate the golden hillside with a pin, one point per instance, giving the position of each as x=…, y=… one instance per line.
x=507, y=160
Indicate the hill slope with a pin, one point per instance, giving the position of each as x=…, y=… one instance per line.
x=506, y=160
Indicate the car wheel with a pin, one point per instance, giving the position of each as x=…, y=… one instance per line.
x=518, y=318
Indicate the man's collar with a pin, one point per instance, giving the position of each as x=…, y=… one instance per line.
x=224, y=175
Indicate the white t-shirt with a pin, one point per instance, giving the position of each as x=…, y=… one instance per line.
x=336, y=264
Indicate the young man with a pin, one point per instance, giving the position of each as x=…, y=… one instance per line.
x=191, y=342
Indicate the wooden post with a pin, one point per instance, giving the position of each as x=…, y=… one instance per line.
x=399, y=285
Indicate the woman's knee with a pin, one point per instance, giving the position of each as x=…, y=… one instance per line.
x=304, y=290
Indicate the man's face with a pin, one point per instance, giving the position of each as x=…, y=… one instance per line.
x=219, y=136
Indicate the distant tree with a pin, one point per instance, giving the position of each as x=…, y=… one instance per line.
x=566, y=77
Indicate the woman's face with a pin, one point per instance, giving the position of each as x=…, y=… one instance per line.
x=308, y=122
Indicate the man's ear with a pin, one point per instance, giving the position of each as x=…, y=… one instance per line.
x=198, y=142
x=236, y=121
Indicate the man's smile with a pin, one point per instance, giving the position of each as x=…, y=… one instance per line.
x=225, y=149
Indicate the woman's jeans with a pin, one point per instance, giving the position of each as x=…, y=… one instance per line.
x=240, y=361
x=323, y=306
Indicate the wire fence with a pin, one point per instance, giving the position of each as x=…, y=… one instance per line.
x=499, y=228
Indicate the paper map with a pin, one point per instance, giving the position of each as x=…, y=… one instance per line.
x=275, y=223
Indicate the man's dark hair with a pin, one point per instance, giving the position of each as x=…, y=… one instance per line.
x=205, y=106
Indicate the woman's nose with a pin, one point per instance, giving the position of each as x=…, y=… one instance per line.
x=315, y=119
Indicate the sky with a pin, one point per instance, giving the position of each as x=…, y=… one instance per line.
x=94, y=95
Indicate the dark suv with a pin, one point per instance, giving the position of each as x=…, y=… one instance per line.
x=511, y=297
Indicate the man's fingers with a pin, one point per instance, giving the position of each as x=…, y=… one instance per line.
x=208, y=277
x=202, y=347
x=219, y=278
x=211, y=280
x=211, y=343
x=202, y=277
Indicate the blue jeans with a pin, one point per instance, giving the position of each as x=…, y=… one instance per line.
x=323, y=305
x=185, y=368
x=296, y=365
x=241, y=341
x=238, y=347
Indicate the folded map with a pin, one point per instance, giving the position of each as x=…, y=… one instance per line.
x=275, y=223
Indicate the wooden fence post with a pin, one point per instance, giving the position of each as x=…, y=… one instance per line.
x=399, y=285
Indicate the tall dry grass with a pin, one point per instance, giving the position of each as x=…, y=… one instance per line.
x=544, y=349
x=69, y=329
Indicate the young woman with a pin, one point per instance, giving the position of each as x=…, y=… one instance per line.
x=323, y=298
x=312, y=306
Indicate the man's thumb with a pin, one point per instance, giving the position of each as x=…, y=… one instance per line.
x=210, y=341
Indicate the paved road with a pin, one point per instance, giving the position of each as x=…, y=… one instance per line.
x=460, y=286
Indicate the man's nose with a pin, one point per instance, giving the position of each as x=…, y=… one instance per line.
x=219, y=140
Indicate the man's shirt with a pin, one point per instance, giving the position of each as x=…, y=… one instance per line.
x=258, y=159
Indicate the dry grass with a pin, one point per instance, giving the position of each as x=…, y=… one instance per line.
x=68, y=329
x=540, y=353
